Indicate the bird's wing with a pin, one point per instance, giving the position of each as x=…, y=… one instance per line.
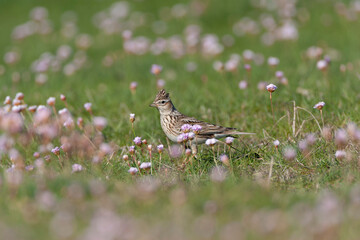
x=208, y=129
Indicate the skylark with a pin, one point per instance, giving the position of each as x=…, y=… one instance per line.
x=172, y=120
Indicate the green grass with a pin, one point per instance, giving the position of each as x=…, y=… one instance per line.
x=310, y=197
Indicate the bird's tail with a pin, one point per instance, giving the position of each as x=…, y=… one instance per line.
x=235, y=132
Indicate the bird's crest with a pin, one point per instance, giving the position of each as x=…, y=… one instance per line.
x=162, y=95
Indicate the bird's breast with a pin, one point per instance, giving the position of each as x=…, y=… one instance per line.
x=168, y=124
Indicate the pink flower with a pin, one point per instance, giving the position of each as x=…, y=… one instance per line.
x=132, y=150
x=160, y=148
x=319, y=105
x=211, y=142
x=186, y=128
x=322, y=65
x=19, y=96
x=7, y=100
x=196, y=128
x=243, y=84
x=137, y=141
x=188, y=152
x=99, y=123
x=132, y=117
x=87, y=107
x=156, y=69
x=225, y=159
x=62, y=97
x=51, y=101
x=145, y=165
x=229, y=140
x=133, y=170
x=133, y=86
x=76, y=168
x=56, y=151
x=273, y=61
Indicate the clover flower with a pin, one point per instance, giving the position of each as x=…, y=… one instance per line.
x=276, y=143
x=137, y=141
x=180, y=138
x=319, y=105
x=145, y=165
x=156, y=69
x=322, y=65
x=271, y=88
x=19, y=96
x=247, y=67
x=56, y=151
x=273, y=61
x=62, y=97
x=125, y=157
x=160, y=83
x=160, y=148
x=32, y=108
x=340, y=154
x=186, y=128
x=133, y=86
x=99, y=123
x=87, y=107
x=224, y=159
x=80, y=122
x=211, y=142
x=132, y=117
x=51, y=101
x=243, y=84
x=191, y=135
x=76, y=168
x=229, y=140
x=279, y=74
x=132, y=150
x=196, y=128
x=188, y=152
x=133, y=170
x=7, y=100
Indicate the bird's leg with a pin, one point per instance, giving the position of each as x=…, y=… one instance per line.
x=194, y=150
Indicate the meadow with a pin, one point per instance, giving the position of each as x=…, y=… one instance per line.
x=83, y=156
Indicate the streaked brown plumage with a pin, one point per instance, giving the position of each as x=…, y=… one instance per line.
x=171, y=121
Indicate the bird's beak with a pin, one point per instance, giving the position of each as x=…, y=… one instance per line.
x=152, y=105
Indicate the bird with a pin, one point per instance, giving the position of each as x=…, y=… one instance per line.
x=172, y=120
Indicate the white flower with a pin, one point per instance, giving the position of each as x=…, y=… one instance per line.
x=133, y=171
x=145, y=165
x=273, y=61
x=276, y=143
x=229, y=140
x=211, y=142
x=271, y=87
x=51, y=101
x=321, y=65
x=132, y=117
x=319, y=105
x=340, y=154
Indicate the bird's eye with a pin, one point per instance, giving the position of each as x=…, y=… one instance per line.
x=163, y=102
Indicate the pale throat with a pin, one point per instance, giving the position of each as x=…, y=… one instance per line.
x=168, y=108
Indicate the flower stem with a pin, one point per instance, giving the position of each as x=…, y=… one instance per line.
x=272, y=108
x=322, y=118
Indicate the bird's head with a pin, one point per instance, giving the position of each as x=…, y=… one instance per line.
x=162, y=102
